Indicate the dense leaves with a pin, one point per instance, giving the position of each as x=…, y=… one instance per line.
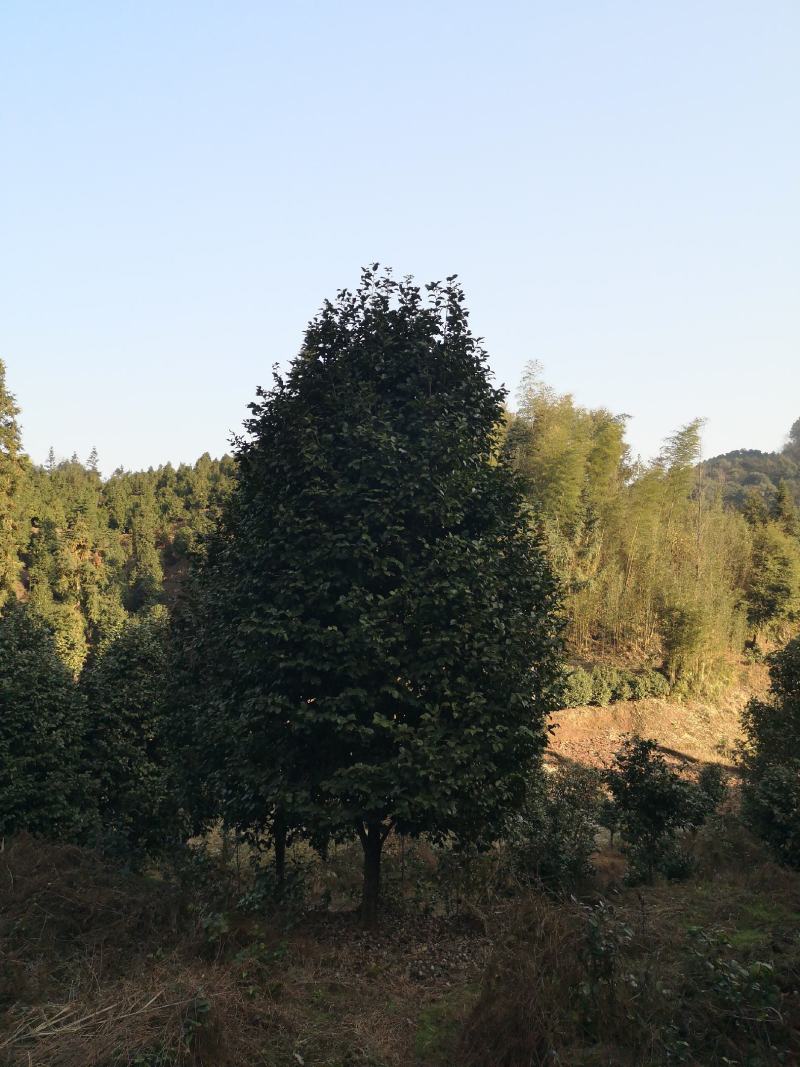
x=654, y=805
x=126, y=748
x=772, y=758
x=41, y=727
x=662, y=565
x=387, y=618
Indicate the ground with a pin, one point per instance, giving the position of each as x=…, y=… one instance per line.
x=101, y=967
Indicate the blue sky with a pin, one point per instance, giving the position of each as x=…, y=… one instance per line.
x=617, y=185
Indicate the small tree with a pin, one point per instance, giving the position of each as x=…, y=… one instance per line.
x=654, y=805
x=41, y=724
x=388, y=619
x=126, y=747
x=771, y=758
x=553, y=836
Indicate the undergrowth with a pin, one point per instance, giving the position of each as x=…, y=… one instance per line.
x=208, y=963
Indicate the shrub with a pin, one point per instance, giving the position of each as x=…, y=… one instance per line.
x=603, y=681
x=622, y=685
x=771, y=806
x=712, y=782
x=771, y=759
x=577, y=688
x=554, y=835
x=41, y=723
x=649, y=684
x=655, y=805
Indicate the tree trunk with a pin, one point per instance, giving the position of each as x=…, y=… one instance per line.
x=372, y=837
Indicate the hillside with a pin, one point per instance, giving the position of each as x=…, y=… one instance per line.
x=746, y=471
x=688, y=732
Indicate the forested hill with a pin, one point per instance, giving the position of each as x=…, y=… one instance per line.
x=667, y=569
x=748, y=473
x=87, y=554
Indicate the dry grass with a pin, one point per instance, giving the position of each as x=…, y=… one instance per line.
x=124, y=976
x=102, y=968
x=703, y=972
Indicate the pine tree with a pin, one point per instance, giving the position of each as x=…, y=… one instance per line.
x=785, y=511
x=11, y=474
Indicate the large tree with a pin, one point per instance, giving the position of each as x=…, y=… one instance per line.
x=377, y=646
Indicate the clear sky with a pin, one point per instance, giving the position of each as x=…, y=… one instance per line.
x=182, y=183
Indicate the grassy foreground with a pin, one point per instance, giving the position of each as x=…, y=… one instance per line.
x=101, y=967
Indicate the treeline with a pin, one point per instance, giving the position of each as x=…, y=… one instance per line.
x=87, y=554
x=660, y=567
x=748, y=473
x=370, y=638
x=668, y=568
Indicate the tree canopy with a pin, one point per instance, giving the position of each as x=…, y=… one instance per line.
x=389, y=620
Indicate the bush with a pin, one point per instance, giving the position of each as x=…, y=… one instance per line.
x=42, y=717
x=712, y=782
x=566, y=979
x=771, y=759
x=655, y=805
x=648, y=684
x=554, y=835
x=603, y=681
x=771, y=806
x=622, y=685
x=577, y=688
x=659, y=684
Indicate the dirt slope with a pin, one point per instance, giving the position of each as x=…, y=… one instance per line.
x=690, y=731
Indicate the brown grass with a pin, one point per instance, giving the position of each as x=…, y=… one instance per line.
x=627, y=983
x=102, y=968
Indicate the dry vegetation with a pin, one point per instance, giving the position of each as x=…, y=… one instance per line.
x=101, y=967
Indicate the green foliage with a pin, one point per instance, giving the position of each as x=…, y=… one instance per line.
x=577, y=688
x=653, y=684
x=622, y=685
x=655, y=566
x=744, y=993
x=87, y=553
x=655, y=805
x=12, y=471
x=771, y=758
x=553, y=836
x=375, y=642
x=772, y=807
x=748, y=473
x=712, y=781
x=773, y=584
x=41, y=723
x=126, y=746
x=604, y=680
